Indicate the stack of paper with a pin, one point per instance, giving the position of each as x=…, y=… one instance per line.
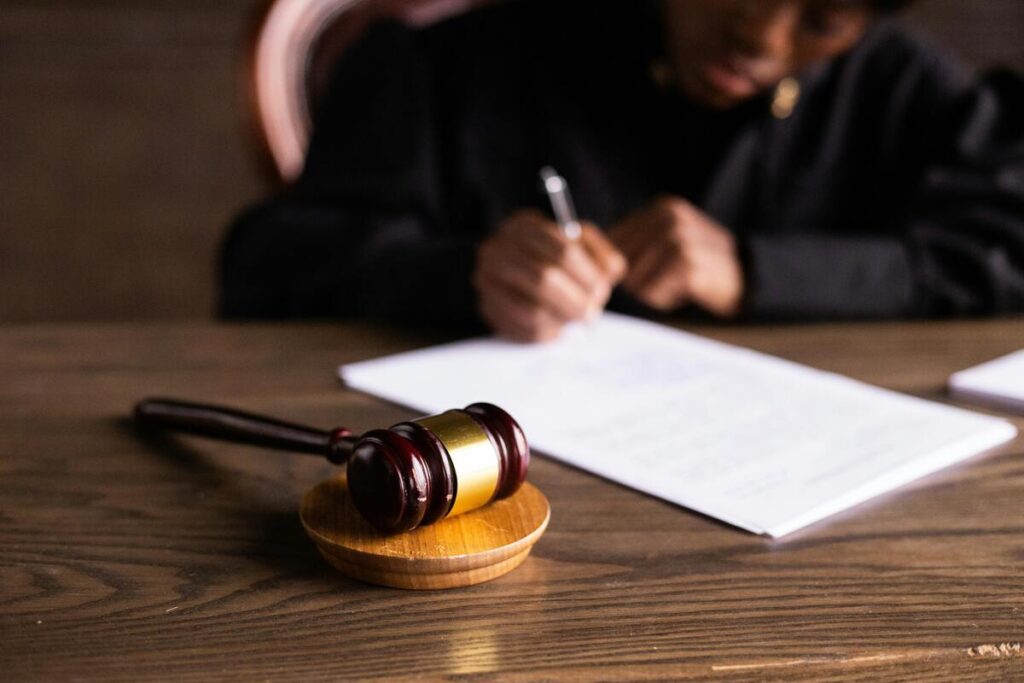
x=761, y=443
x=999, y=382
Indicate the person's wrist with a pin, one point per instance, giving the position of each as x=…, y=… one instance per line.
x=735, y=302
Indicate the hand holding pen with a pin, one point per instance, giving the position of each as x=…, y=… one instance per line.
x=534, y=276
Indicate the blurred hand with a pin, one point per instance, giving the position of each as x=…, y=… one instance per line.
x=678, y=255
x=531, y=280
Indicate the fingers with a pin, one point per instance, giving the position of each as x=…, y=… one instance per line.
x=547, y=285
x=678, y=254
x=649, y=224
x=657, y=274
x=631, y=236
x=535, y=234
x=659, y=279
x=531, y=280
x=593, y=262
x=539, y=245
x=604, y=253
x=645, y=268
x=513, y=317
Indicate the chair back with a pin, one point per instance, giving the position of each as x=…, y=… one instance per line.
x=292, y=55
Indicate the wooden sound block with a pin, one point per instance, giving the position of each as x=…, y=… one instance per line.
x=470, y=548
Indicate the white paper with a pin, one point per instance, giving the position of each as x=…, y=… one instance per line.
x=998, y=382
x=755, y=441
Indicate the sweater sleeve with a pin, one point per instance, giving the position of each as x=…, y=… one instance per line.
x=363, y=231
x=959, y=248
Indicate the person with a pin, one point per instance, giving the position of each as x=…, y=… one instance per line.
x=739, y=159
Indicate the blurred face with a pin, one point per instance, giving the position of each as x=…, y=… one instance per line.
x=726, y=51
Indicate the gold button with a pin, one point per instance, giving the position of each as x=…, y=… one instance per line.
x=787, y=95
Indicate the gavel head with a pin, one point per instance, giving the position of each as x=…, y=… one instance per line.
x=419, y=472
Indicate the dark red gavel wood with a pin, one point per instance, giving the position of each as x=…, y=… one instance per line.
x=228, y=424
x=399, y=478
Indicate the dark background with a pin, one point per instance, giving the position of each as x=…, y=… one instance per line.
x=125, y=148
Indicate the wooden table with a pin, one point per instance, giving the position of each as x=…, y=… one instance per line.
x=123, y=557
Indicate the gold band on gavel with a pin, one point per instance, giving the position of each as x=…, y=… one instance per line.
x=474, y=460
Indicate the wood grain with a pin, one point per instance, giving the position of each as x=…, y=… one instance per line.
x=465, y=550
x=130, y=558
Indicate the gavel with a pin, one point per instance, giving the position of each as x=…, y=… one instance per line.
x=413, y=474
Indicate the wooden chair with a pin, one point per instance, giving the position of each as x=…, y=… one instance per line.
x=294, y=48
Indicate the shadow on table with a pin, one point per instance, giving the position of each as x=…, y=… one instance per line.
x=276, y=535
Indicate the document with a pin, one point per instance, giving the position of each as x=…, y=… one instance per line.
x=758, y=442
x=999, y=382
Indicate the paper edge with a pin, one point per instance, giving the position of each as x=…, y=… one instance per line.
x=963, y=450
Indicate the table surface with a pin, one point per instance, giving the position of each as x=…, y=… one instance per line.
x=141, y=558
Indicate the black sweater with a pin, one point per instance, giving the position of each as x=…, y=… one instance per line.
x=895, y=189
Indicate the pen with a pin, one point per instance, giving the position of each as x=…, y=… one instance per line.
x=561, y=202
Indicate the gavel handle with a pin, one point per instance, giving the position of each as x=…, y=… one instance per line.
x=228, y=424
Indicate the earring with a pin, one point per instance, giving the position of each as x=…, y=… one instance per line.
x=787, y=95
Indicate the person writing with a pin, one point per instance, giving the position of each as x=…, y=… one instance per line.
x=741, y=159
